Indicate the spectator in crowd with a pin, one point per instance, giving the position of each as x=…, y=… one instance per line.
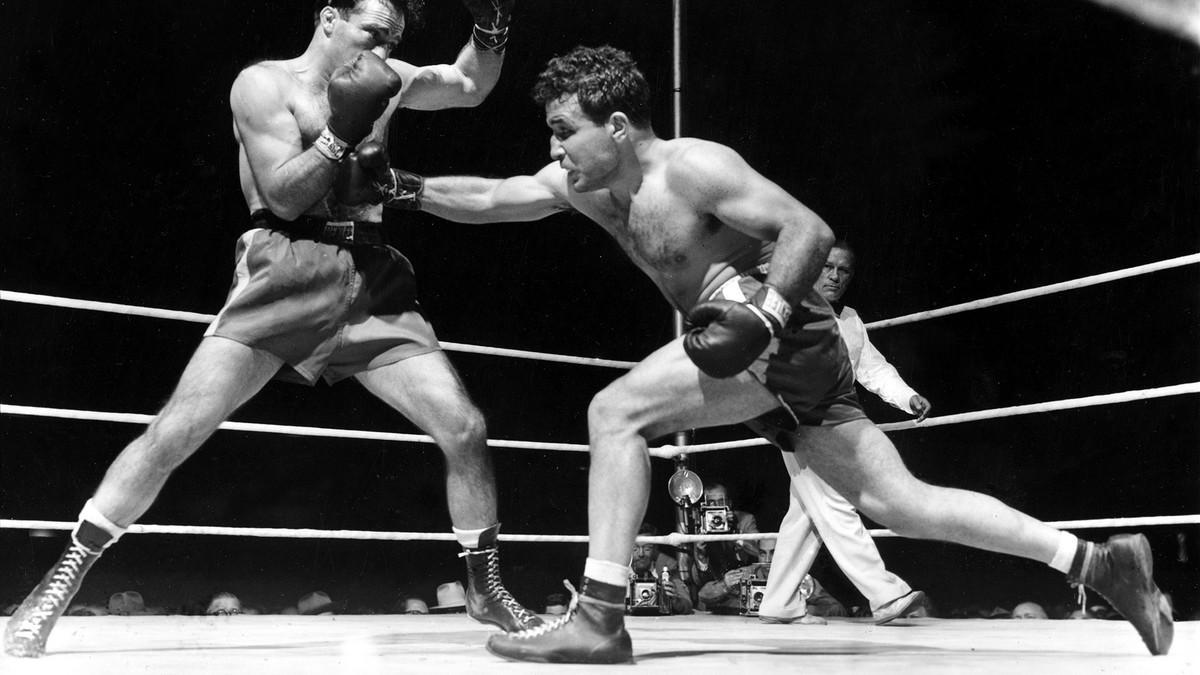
x=451, y=598
x=766, y=551
x=1029, y=610
x=130, y=603
x=717, y=494
x=720, y=567
x=647, y=564
x=415, y=606
x=316, y=603
x=224, y=604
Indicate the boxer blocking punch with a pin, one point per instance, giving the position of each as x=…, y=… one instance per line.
x=317, y=293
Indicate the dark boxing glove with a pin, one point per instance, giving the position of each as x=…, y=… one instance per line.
x=358, y=94
x=368, y=178
x=492, y=18
x=728, y=336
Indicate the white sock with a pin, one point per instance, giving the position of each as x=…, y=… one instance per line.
x=468, y=538
x=606, y=572
x=1065, y=555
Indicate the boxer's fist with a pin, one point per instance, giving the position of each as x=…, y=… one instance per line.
x=368, y=178
x=358, y=178
x=491, y=23
x=401, y=189
x=358, y=94
x=728, y=336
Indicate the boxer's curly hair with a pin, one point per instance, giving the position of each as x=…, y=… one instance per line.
x=605, y=79
x=412, y=10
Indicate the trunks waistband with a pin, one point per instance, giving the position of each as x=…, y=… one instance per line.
x=758, y=272
x=340, y=232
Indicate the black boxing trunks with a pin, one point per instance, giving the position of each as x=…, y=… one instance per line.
x=330, y=299
x=806, y=366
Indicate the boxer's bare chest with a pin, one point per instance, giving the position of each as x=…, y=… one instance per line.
x=655, y=227
x=310, y=106
x=311, y=110
x=665, y=236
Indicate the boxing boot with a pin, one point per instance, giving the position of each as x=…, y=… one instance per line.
x=488, y=601
x=591, y=631
x=30, y=626
x=1122, y=570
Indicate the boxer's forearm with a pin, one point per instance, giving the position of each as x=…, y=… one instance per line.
x=473, y=199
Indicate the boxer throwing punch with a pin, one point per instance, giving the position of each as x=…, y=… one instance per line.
x=739, y=255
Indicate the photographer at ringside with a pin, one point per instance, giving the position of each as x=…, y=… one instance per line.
x=650, y=566
x=719, y=567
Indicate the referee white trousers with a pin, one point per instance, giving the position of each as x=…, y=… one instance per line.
x=813, y=504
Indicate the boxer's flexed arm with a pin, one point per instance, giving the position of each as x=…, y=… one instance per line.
x=463, y=84
x=471, y=199
x=719, y=182
x=469, y=80
x=288, y=177
x=728, y=336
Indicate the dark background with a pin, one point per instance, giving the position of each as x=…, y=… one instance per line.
x=967, y=149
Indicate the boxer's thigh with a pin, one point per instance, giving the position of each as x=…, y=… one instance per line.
x=666, y=392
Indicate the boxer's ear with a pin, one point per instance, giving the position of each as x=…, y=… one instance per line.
x=327, y=18
x=618, y=126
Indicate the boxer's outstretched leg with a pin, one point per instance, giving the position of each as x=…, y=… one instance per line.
x=221, y=375
x=859, y=461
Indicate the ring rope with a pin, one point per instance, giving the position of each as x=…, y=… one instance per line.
x=136, y=418
x=134, y=310
x=1038, y=291
x=673, y=539
x=1051, y=406
x=156, y=313
x=662, y=452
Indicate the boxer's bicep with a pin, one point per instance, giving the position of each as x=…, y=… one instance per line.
x=267, y=130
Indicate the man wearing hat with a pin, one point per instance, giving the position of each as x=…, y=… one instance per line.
x=451, y=598
x=314, y=604
x=127, y=603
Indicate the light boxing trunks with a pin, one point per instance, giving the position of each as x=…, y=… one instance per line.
x=330, y=299
x=806, y=366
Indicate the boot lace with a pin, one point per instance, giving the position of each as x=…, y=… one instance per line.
x=557, y=623
x=56, y=593
x=495, y=587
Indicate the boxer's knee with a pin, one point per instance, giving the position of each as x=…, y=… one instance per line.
x=612, y=413
x=908, y=510
x=465, y=433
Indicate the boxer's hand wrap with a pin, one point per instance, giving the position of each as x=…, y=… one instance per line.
x=492, y=18
x=727, y=336
x=774, y=305
x=329, y=145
